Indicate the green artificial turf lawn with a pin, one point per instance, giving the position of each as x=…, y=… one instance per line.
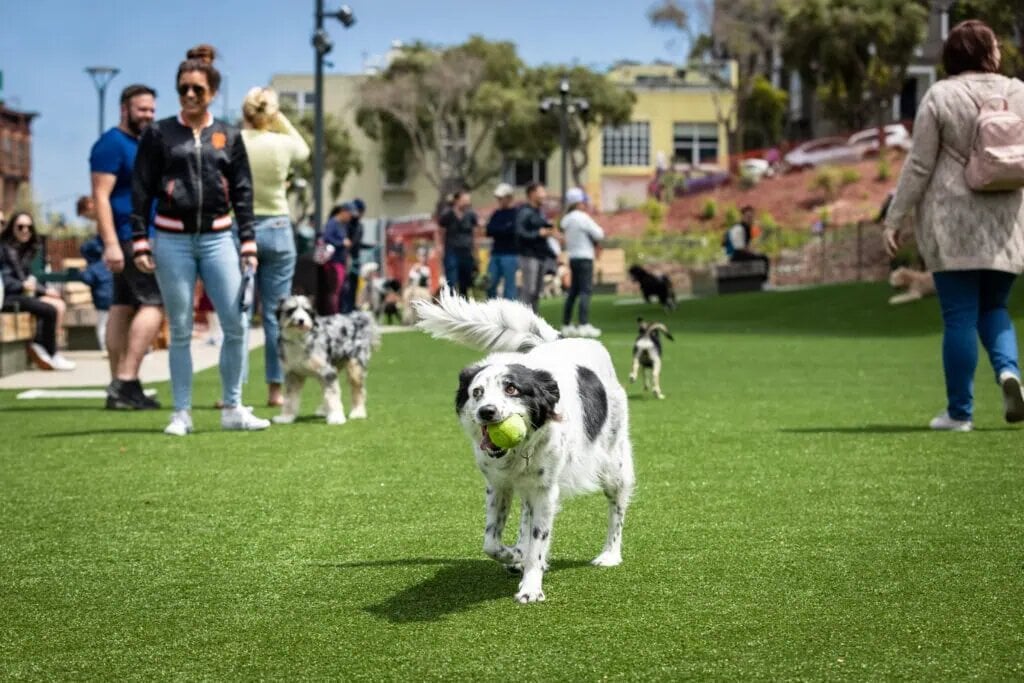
x=793, y=519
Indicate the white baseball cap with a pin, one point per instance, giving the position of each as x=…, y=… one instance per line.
x=575, y=195
x=504, y=190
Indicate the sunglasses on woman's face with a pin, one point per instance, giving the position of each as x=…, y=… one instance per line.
x=184, y=88
x=23, y=226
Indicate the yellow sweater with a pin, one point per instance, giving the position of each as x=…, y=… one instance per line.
x=271, y=153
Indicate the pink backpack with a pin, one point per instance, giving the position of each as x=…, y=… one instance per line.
x=996, y=162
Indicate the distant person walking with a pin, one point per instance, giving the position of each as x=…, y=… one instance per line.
x=272, y=144
x=458, y=221
x=136, y=309
x=532, y=233
x=196, y=170
x=582, y=234
x=19, y=245
x=972, y=241
x=504, y=261
x=335, y=255
x=354, y=230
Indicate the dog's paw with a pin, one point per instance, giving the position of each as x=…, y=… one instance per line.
x=658, y=394
x=358, y=413
x=527, y=596
x=506, y=555
x=321, y=411
x=607, y=559
x=283, y=419
x=336, y=419
x=632, y=378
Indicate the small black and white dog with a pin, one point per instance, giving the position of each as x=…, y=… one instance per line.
x=577, y=419
x=321, y=347
x=654, y=286
x=647, y=354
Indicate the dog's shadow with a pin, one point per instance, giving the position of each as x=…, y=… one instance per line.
x=458, y=585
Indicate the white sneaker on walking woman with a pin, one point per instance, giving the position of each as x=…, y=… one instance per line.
x=181, y=423
x=1013, y=397
x=240, y=418
x=944, y=423
x=59, y=362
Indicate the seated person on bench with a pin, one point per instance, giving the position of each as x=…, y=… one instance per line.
x=738, y=238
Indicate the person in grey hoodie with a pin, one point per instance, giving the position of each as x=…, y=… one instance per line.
x=582, y=233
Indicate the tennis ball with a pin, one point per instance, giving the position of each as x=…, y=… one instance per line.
x=507, y=433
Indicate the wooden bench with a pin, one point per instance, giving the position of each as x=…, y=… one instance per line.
x=16, y=329
x=740, y=276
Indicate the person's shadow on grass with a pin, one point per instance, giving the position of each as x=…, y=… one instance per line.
x=457, y=586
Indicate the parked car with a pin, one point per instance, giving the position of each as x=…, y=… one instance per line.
x=833, y=150
x=755, y=169
x=686, y=180
x=896, y=135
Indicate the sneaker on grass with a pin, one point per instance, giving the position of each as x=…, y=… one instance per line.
x=944, y=423
x=181, y=423
x=1013, y=397
x=240, y=418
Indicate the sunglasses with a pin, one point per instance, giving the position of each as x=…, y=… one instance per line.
x=184, y=88
x=23, y=226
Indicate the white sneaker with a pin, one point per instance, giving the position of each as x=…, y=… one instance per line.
x=181, y=423
x=570, y=330
x=1013, y=397
x=589, y=331
x=945, y=423
x=240, y=418
x=59, y=362
x=40, y=356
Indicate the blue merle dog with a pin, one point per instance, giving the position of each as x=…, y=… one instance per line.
x=322, y=347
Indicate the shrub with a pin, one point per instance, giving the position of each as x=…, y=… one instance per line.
x=826, y=180
x=848, y=176
x=732, y=216
x=884, y=169
x=655, y=212
x=709, y=210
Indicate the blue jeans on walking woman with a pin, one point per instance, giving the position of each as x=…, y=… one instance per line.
x=503, y=268
x=213, y=257
x=275, y=245
x=974, y=305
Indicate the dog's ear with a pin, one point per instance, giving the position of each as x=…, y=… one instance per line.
x=280, y=306
x=465, y=378
x=641, y=325
x=538, y=390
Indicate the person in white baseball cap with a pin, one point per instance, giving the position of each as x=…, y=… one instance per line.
x=504, y=261
x=582, y=233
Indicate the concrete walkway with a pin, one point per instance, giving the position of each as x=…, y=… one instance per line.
x=93, y=370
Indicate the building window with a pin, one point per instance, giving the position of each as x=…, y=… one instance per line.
x=695, y=143
x=302, y=101
x=522, y=172
x=628, y=145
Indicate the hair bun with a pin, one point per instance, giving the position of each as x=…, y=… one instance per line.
x=205, y=53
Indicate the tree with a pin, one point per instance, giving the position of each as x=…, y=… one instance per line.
x=855, y=52
x=340, y=155
x=765, y=111
x=532, y=134
x=441, y=107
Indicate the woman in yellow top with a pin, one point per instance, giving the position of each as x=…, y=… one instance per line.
x=272, y=144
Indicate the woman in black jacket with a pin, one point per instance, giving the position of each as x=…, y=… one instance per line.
x=19, y=245
x=196, y=172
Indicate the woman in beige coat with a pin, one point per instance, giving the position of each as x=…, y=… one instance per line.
x=973, y=242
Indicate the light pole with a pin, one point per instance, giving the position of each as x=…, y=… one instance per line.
x=565, y=107
x=101, y=77
x=322, y=45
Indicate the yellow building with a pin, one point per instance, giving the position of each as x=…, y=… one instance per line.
x=678, y=118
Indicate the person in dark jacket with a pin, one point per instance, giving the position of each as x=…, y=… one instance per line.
x=501, y=228
x=458, y=222
x=196, y=170
x=19, y=245
x=355, y=262
x=101, y=284
x=532, y=232
x=337, y=264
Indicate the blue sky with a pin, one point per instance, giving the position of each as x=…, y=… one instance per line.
x=45, y=46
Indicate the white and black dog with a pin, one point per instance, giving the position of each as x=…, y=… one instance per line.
x=577, y=420
x=647, y=354
x=321, y=347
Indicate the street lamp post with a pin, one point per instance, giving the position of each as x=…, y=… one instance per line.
x=322, y=45
x=566, y=107
x=101, y=77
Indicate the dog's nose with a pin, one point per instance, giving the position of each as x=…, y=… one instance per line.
x=487, y=413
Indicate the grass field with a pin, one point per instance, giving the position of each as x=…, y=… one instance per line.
x=793, y=519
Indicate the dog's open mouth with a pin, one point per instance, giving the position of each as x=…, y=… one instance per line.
x=487, y=446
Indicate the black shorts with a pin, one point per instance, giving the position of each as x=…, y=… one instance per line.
x=132, y=287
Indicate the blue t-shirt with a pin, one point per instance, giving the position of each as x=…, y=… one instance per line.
x=114, y=153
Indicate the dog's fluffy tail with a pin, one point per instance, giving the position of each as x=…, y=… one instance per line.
x=494, y=325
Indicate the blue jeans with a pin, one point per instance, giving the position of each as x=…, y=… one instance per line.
x=275, y=246
x=458, y=270
x=503, y=267
x=581, y=286
x=974, y=305
x=213, y=257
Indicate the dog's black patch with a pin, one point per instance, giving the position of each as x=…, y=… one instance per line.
x=465, y=377
x=594, y=400
x=538, y=390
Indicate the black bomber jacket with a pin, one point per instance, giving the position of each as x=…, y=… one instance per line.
x=196, y=179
